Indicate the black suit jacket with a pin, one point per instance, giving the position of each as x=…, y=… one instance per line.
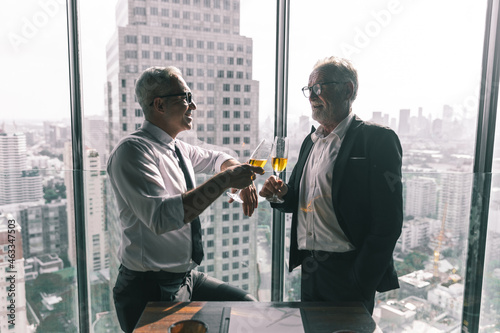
x=367, y=199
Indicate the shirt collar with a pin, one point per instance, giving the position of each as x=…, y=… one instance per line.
x=159, y=134
x=339, y=131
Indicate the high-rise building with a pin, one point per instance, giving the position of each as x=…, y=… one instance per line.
x=421, y=197
x=415, y=233
x=95, y=138
x=404, y=122
x=202, y=39
x=454, y=204
x=380, y=118
x=44, y=229
x=96, y=230
x=97, y=250
x=12, y=283
x=215, y=60
x=17, y=183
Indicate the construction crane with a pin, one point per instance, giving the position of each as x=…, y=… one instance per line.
x=440, y=241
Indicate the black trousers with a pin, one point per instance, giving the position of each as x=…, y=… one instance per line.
x=327, y=276
x=133, y=290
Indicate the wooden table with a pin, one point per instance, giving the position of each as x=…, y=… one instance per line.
x=259, y=317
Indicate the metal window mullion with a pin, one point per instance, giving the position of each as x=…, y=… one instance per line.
x=78, y=164
x=483, y=161
x=280, y=124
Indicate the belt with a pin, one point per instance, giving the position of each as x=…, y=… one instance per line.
x=154, y=275
x=322, y=255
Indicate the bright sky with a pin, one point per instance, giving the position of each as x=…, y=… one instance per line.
x=408, y=53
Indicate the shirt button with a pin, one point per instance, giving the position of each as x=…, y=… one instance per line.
x=309, y=234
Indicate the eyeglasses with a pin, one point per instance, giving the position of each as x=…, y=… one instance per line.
x=188, y=96
x=316, y=88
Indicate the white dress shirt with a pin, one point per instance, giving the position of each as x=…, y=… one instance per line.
x=148, y=184
x=318, y=227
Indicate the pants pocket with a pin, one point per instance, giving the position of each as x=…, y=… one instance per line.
x=175, y=290
x=123, y=281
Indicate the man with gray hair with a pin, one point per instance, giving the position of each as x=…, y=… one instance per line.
x=345, y=194
x=152, y=176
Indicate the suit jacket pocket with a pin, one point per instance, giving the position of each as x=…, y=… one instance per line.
x=357, y=170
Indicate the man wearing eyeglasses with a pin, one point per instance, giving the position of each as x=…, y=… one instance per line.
x=345, y=194
x=152, y=176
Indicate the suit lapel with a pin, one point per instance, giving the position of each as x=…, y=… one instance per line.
x=343, y=156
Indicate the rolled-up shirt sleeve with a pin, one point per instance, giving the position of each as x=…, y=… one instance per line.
x=204, y=160
x=141, y=188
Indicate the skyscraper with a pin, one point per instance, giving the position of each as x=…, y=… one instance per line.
x=380, y=118
x=404, y=122
x=96, y=233
x=44, y=229
x=454, y=204
x=421, y=197
x=17, y=183
x=202, y=39
x=97, y=248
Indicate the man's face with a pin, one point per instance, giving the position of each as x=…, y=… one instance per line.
x=328, y=107
x=178, y=113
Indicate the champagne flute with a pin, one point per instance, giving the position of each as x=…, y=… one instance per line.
x=258, y=158
x=279, y=157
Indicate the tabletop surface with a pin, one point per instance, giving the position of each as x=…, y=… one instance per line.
x=261, y=317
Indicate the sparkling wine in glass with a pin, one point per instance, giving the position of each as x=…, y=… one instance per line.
x=258, y=158
x=279, y=158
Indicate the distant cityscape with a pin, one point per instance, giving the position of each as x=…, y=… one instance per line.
x=37, y=202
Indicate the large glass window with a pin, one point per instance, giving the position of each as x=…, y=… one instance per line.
x=490, y=298
x=419, y=71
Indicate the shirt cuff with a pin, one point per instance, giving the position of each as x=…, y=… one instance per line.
x=223, y=157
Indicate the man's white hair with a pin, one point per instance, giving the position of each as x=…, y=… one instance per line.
x=154, y=82
x=342, y=70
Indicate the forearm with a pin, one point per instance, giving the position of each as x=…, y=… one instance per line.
x=228, y=163
x=197, y=200
x=233, y=175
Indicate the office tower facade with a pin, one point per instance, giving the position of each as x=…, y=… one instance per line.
x=202, y=39
x=380, y=118
x=17, y=183
x=44, y=229
x=454, y=204
x=421, y=197
x=95, y=213
x=12, y=283
x=415, y=233
x=97, y=248
x=404, y=122
x=96, y=129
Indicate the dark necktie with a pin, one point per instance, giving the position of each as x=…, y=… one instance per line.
x=195, y=224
